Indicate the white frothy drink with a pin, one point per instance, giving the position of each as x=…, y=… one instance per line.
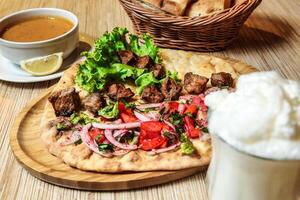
x=256, y=139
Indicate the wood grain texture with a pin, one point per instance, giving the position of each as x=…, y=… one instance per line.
x=270, y=40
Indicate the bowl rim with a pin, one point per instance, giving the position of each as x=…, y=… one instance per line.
x=57, y=38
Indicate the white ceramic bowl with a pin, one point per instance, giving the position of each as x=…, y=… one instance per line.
x=17, y=51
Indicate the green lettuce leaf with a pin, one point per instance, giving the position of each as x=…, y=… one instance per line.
x=102, y=64
x=149, y=48
x=122, y=71
x=144, y=81
x=172, y=75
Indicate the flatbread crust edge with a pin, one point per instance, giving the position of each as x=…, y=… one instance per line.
x=83, y=158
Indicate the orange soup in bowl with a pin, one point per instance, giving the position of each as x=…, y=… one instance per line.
x=37, y=28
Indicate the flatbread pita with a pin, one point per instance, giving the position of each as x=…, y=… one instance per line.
x=83, y=158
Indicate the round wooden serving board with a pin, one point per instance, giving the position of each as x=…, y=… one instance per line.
x=32, y=154
x=29, y=150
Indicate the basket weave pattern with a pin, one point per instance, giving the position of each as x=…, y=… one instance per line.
x=208, y=33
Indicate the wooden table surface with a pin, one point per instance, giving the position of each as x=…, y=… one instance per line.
x=270, y=40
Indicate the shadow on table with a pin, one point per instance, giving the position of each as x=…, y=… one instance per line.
x=263, y=32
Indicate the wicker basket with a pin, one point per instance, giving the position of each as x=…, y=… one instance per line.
x=208, y=33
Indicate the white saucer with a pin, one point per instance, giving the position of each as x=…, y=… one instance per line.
x=14, y=73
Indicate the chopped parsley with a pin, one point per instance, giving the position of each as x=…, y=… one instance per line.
x=128, y=137
x=110, y=111
x=78, y=142
x=98, y=138
x=60, y=126
x=176, y=119
x=128, y=104
x=171, y=137
x=105, y=147
x=81, y=118
x=205, y=130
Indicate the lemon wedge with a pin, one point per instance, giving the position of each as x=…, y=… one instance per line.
x=43, y=65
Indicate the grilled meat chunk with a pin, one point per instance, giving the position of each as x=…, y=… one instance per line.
x=158, y=70
x=144, y=62
x=170, y=89
x=152, y=94
x=61, y=123
x=126, y=57
x=118, y=91
x=194, y=83
x=221, y=79
x=93, y=102
x=65, y=102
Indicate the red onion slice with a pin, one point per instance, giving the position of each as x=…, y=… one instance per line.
x=153, y=115
x=169, y=124
x=119, y=132
x=157, y=151
x=109, y=136
x=150, y=105
x=90, y=143
x=141, y=117
x=117, y=126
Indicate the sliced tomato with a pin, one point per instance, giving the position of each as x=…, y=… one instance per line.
x=189, y=122
x=122, y=107
x=97, y=135
x=147, y=135
x=128, y=118
x=190, y=127
x=154, y=143
x=142, y=136
x=152, y=126
x=192, y=109
x=164, y=145
x=173, y=106
x=126, y=114
x=194, y=133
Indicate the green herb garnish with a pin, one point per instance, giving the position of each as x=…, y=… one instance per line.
x=128, y=137
x=60, y=126
x=128, y=105
x=176, y=119
x=110, y=111
x=205, y=130
x=78, y=142
x=81, y=118
x=186, y=146
x=172, y=138
x=105, y=147
x=145, y=80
